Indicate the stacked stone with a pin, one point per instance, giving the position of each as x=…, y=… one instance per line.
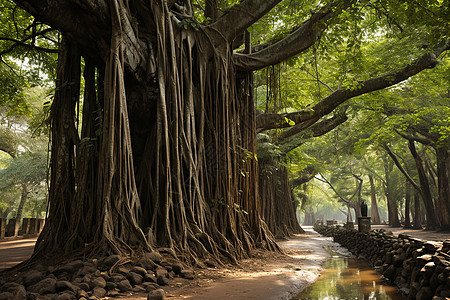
x=420, y=269
x=95, y=279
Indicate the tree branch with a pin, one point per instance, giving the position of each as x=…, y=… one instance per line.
x=20, y=43
x=297, y=42
x=76, y=14
x=332, y=187
x=241, y=16
x=424, y=141
x=94, y=40
x=318, y=129
x=327, y=105
x=306, y=117
x=400, y=167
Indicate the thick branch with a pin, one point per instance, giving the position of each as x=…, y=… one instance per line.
x=241, y=16
x=421, y=140
x=327, y=105
x=307, y=117
x=318, y=129
x=88, y=25
x=76, y=14
x=297, y=42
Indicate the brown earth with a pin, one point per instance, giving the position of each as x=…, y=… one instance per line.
x=13, y=252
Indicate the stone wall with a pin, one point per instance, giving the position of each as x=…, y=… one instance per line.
x=30, y=226
x=420, y=269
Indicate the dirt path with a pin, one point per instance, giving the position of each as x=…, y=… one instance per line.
x=425, y=235
x=15, y=251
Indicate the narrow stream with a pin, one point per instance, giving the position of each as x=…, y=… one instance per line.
x=348, y=278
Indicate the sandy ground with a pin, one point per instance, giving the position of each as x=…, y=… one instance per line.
x=15, y=251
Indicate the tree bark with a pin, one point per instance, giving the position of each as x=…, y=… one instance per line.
x=407, y=204
x=64, y=137
x=391, y=202
x=297, y=42
x=443, y=172
x=432, y=221
x=417, y=211
x=23, y=200
x=375, y=216
x=211, y=10
x=277, y=205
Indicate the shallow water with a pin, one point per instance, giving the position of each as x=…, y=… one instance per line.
x=350, y=279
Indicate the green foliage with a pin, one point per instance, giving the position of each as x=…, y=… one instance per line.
x=23, y=39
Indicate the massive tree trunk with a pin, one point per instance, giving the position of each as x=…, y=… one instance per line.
x=166, y=152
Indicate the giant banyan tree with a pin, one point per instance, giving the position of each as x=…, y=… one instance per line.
x=159, y=151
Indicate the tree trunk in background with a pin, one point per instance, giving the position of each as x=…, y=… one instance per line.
x=23, y=199
x=391, y=203
x=6, y=212
x=374, y=214
x=408, y=188
x=277, y=204
x=356, y=205
x=432, y=221
x=417, y=211
x=443, y=173
x=309, y=217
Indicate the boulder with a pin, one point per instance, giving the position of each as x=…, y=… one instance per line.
x=99, y=282
x=124, y=285
x=189, y=274
x=45, y=286
x=158, y=294
x=99, y=292
x=32, y=277
x=62, y=286
x=139, y=270
x=135, y=278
